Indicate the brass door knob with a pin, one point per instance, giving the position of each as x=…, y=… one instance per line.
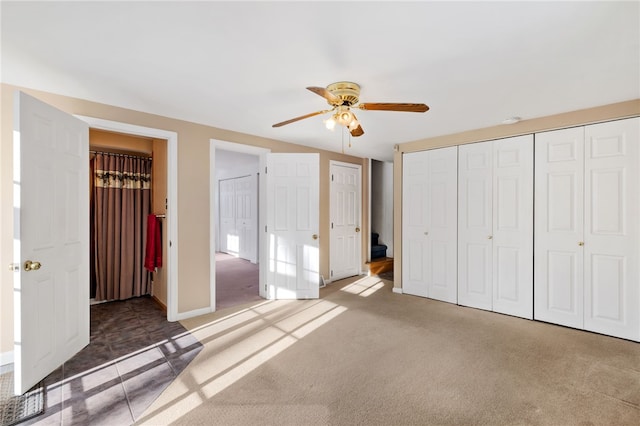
x=314, y=236
x=31, y=266
x=581, y=243
x=357, y=229
x=490, y=237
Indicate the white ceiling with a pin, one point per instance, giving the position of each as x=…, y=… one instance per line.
x=244, y=66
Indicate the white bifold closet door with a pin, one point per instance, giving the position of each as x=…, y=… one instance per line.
x=587, y=228
x=495, y=226
x=559, y=224
x=429, y=222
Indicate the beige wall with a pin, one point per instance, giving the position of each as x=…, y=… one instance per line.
x=193, y=193
x=117, y=142
x=553, y=122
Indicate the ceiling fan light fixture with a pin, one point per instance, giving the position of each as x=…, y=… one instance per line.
x=330, y=123
x=342, y=96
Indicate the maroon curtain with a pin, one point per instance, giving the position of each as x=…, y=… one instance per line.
x=122, y=202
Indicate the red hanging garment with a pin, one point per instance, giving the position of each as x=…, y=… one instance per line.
x=153, y=253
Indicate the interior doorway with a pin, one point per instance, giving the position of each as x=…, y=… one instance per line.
x=235, y=181
x=130, y=278
x=170, y=228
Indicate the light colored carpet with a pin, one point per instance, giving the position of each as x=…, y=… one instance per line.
x=362, y=355
x=236, y=281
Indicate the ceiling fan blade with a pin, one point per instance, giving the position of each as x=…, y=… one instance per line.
x=302, y=117
x=394, y=107
x=321, y=91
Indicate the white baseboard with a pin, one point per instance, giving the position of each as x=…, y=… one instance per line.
x=195, y=313
x=6, y=358
x=397, y=290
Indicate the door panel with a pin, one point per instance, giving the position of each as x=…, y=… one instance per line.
x=51, y=197
x=415, y=209
x=442, y=238
x=477, y=275
x=513, y=226
x=429, y=225
x=229, y=242
x=612, y=237
x=292, y=222
x=559, y=223
x=247, y=216
x=475, y=193
x=561, y=287
x=345, y=234
x=507, y=276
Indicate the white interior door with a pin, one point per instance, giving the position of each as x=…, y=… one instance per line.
x=612, y=237
x=559, y=225
x=51, y=205
x=247, y=216
x=513, y=226
x=475, y=225
x=229, y=242
x=345, y=233
x=292, y=226
x=414, y=223
x=442, y=224
x=429, y=223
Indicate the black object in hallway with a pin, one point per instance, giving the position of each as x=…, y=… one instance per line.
x=377, y=250
x=133, y=355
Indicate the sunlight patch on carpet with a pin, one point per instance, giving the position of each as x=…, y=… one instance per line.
x=364, y=287
x=236, y=346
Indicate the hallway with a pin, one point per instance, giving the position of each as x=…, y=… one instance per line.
x=236, y=281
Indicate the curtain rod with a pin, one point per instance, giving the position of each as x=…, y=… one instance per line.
x=141, y=155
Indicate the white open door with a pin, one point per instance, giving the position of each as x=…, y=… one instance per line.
x=51, y=239
x=292, y=226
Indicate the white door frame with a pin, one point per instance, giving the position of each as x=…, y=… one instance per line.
x=171, y=220
x=262, y=202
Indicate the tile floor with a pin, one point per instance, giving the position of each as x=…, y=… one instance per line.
x=133, y=355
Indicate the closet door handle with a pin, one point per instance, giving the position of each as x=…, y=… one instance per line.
x=490, y=237
x=581, y=243
x=31, y=266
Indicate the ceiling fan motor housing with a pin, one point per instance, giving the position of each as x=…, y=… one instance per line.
x=347, y=91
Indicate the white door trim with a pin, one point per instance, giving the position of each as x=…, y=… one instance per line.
x=262, y=202
x=171, y=220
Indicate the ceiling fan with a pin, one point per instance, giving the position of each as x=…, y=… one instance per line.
x=344, y=95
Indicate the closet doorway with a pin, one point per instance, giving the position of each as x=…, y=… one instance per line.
x=236, y=183
x=128, y=182
x=170, y=227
